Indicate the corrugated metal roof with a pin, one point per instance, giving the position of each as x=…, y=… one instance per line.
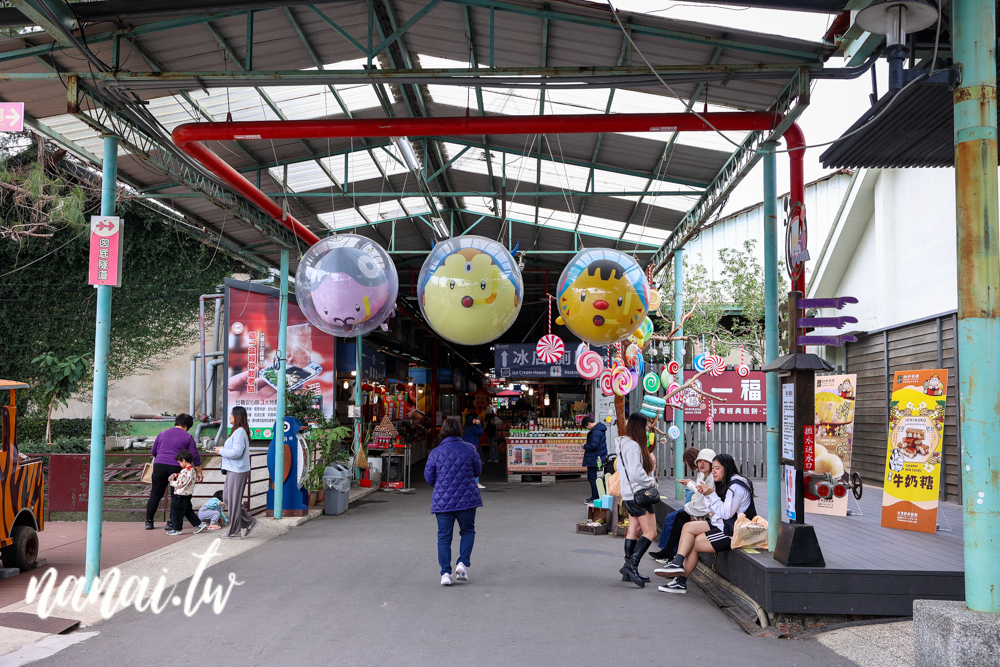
x=912, y=128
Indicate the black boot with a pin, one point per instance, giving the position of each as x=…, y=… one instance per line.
x=149, y=525
x=629, y=550
x=631, y=567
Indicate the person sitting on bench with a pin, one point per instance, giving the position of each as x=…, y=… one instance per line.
x=694, y=508
x=733, y=495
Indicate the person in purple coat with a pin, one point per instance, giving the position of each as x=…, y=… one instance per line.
x=452, y=468
x=164, y=451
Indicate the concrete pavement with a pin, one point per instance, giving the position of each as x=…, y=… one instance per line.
x=362, y=589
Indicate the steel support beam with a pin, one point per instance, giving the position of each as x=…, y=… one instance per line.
x=771, y=298
x=974, y=46
x=99, y=412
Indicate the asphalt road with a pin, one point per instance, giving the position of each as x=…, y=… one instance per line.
x=363, y=589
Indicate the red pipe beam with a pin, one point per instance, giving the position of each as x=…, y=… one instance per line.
x=189, y=138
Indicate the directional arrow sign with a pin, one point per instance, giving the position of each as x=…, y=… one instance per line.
x=11, y=116
x=837, y=302
x=834, y=341
x=825, y=322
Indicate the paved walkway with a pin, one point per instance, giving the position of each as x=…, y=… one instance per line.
x=362, y=589
x=64, y=545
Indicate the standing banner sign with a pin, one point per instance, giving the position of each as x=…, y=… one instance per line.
x=913, y=455
x=251, y=345
x=834, y=436
x=105, y=250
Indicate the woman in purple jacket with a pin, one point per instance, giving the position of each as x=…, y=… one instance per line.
x=452, y=468
x=164, y=452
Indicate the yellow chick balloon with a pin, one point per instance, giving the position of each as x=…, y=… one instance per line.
x=470, y=290
x=602, y=296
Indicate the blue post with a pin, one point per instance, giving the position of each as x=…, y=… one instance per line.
x=771, y=342
x=102, y=341
x=678, y=355
x=279, y=419
x=974, y=48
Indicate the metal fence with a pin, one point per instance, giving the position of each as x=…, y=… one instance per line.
x=67, y=479
x=746, y=442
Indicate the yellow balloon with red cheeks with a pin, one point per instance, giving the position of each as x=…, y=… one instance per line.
x=469, y=289
x=603, y=296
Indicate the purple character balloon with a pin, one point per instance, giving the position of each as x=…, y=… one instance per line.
x=346, y=285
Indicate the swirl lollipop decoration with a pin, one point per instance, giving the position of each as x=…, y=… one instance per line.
x=650, y=383
x=634, y=382
x=550, y=348
x=621, y=380
x=742, y=369
x=640, y=364
x=715, y=365
x=589, y=365
x=675, y=400
x=607, y=388
x=631, y=352
x=673, y=367
x=699, y=362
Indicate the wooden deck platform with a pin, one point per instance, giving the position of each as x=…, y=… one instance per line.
x=869, y=569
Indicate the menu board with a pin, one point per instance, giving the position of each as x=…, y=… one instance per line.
x=550, y=453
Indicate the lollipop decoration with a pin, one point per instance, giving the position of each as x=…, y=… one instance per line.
x=715, y=365
x=631, y=352
x=673, y=432
x=651, y=383
x=589, y=364
x=634, y=381
x=742, y=369
x=621, y=381
x=666, y=377
x=640, y=364
x=673, y=367
x=675, y=399
x=699, y=362
x=550, y=348
x=607, y=388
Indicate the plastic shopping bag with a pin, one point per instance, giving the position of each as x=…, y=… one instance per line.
x=747, y=533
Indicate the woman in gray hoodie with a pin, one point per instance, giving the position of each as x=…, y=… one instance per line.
x=637, y=470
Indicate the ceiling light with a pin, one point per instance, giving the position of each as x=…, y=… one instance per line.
x=347, y=385
x=896, y=19
x=354, y=374
x=440, y=228
x=406, y=149
x=531, y=391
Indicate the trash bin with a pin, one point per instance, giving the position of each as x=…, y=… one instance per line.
x=337, y=488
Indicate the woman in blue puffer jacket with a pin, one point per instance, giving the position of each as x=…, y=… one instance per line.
x=452, y=468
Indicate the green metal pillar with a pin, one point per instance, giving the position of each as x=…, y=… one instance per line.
x=279, y=419
x=99, y=414
x=974, y=48
x=771, y=342
x=679, y=356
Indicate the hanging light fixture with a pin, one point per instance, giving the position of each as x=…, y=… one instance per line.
x=531, y=391
x=546, y=399
x=347, y=385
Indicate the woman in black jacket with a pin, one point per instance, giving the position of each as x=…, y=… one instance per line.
x=594, y=450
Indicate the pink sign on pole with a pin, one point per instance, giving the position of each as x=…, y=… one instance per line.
x=11, y=116
x=105, y=250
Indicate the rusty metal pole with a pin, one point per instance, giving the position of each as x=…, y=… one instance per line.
x=974, y=48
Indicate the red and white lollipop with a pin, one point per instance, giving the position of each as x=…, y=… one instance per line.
x=675, y=400
x=607, y=387
x=743, y=370
x=550, y=349
x=621, y=381
x=673, y=367
x=715, y=365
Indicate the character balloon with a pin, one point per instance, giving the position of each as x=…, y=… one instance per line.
x=346, y=285
x=602, y=295
x=470, y=289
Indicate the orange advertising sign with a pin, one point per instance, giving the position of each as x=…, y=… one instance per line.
x=915, y=449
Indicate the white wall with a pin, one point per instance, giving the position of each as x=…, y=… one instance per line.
x=162, y=391
x=895, y=249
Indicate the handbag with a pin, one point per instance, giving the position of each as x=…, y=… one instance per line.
x=147, y=473
x=643, y=497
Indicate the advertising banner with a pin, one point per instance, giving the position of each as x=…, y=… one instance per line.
x=834, y=436
x=914, y=451
x=251, y=344
x=551, y=455
x=746, y=399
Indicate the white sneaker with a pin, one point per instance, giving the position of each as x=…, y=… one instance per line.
x=482, y=486
x=446, y=579
x=461, y=572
